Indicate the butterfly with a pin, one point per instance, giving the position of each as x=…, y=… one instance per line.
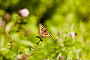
x=43, y=32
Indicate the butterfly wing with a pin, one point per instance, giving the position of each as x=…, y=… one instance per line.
x=46, y=34
x=43, y=31
x=40, y=27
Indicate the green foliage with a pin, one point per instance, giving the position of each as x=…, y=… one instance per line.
x=60, y=17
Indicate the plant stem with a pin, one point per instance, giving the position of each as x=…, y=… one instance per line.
x=11, y=45
x=21, y=23
x=37, y=45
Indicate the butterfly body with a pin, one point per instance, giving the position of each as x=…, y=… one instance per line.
x=43, y=32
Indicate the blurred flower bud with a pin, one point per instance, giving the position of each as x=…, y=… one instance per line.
x=25, y=57
x=19, y=12
x=75, y=34
x=7, y=16
x=23, y=12
x=19, y=57
x=1, y=22
x=59, y=33
x=79, y=59
x=59, y=40
x=72, y=34
x=61, y=58
x=27, y=32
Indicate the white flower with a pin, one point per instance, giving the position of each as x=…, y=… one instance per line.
x=59, y=40
x=24, y=12
x=19, y=57
x=72, y=34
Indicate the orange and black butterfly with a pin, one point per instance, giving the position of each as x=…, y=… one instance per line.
x=43, y=32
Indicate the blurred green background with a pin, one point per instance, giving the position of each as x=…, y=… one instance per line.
x=60, y=17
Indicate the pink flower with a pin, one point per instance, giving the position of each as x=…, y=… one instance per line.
x=61, y=57
x=23, y=12
x=7, y=16
x=59, y=33
x=25, y=57
x=19, y=57
x=72, y=34
x=2, y=23
x=59, y=40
